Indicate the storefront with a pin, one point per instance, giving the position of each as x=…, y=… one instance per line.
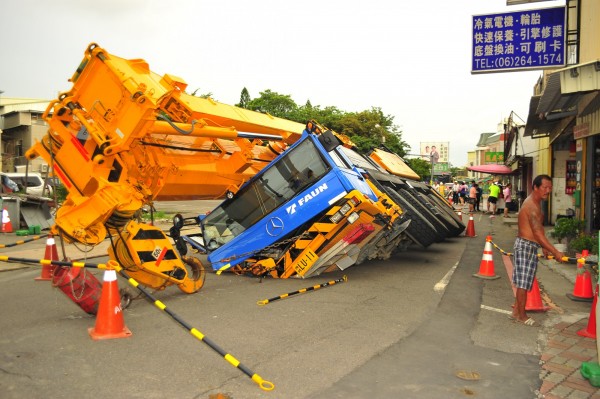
x=593, y=186
x=566, y=113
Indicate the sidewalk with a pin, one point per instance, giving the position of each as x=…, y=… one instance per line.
x=562, y=349
x=565, y=350
x=561, y=361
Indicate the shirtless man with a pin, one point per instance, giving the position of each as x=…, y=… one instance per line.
x=530, y=237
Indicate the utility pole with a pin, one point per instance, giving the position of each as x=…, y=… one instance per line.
x=432, y=163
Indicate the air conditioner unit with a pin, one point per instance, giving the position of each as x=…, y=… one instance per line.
x=44, y=168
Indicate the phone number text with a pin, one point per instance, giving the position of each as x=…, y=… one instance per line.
x=523, y=61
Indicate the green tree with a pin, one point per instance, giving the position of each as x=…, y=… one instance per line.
x=420, y=166
x=328, y=117
x=279, y=105
x=244, y=99
x=374, y=128
x=368, y=129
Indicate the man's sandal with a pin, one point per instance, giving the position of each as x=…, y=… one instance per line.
x=529, y=322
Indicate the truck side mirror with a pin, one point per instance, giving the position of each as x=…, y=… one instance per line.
x=329, y=141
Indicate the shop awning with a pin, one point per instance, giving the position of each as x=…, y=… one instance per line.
x=580, y=77
x=548, y=112
x=554, y=103
x=537, y=125
x=492, y=169
x=550, y=96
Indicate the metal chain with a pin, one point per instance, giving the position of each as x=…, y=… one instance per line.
x=75, y=296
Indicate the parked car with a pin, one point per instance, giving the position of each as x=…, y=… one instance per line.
x=33, y=182
x=53, y=182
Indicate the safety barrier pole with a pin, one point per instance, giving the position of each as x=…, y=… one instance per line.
x=54, y=262
x=263, y=384
x=563, y=259
x=303, y=290
x=21, y=242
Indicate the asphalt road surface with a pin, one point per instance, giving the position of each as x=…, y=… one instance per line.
x=412, y=326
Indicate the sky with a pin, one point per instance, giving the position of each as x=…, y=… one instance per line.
x=412, y=59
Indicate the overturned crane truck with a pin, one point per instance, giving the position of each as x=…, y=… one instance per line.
x=308, y=211
x=123, y=137
x=318, y=207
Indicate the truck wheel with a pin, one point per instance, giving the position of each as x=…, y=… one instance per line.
x=440, y=230
x=437, y=213
x=447, y=208
x=456, y=226
x=453, y=225
x=459, y=226
x=419, y=229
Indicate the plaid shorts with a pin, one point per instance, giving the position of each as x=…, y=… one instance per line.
x=526, y=261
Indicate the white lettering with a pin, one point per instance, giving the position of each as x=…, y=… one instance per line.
x=302, y=201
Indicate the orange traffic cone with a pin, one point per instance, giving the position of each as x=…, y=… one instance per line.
x=6, y=224
x=460, y=215
x=486, y=267
x=51, y=254
x=109, y=320
x=582, y=291
x=590, y=331
x=534, y=299
x=470, y=227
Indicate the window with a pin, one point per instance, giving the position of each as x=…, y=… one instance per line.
x=358, y=160
x=299, y=169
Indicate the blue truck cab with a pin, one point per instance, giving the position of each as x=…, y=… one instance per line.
x=280, y=201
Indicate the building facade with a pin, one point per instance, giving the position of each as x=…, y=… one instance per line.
x=564, y=117
x=21, y=124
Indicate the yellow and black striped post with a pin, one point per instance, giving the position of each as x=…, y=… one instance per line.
x=563, y=259
x=263, y=384
x=20, y=242
x=45, y=262
x=303, y=290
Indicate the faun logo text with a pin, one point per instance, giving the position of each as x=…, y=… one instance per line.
x=302, y=201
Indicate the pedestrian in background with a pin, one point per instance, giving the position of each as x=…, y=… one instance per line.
x=455, y=189
x=478, y=198
x=463, y=192
x=493, y=198
x=507, y=198
x=530, y=237
x=472, y=196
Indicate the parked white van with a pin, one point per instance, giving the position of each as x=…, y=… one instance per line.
x=34, y=183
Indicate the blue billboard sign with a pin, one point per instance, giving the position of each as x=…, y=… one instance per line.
x=521, y=40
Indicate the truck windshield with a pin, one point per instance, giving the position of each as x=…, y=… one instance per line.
x=291, y=174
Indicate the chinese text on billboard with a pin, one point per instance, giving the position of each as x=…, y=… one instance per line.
x=494, y=157
x=531, y=39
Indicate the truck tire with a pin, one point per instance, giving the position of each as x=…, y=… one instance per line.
x=443, y=206
x=445, y=213
x=416, y=202
x=460, y=227
x=441, y=216
x=419, y=230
